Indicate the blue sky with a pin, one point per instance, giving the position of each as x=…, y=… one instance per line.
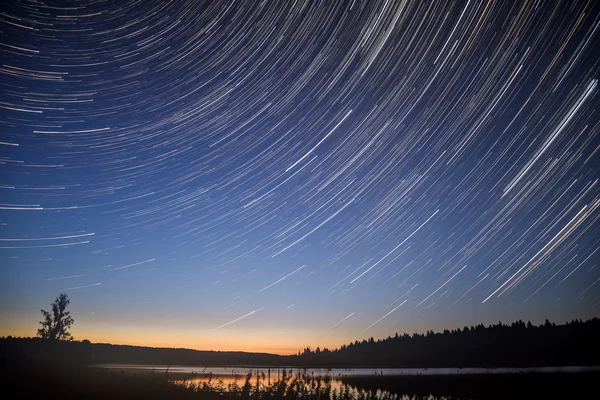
x=259, y=177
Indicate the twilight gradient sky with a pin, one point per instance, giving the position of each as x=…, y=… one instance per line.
x=265, y=176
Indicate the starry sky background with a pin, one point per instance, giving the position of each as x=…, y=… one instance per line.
x=266, y=176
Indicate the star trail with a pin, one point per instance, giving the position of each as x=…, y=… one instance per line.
x=178, y=166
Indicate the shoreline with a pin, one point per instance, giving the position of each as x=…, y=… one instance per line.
x=200, y=372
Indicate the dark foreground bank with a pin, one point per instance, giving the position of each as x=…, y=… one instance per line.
x=485, y=386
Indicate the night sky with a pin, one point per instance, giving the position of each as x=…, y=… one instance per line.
x=266, y=176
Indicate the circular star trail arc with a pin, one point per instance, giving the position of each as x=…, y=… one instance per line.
x=192, y=147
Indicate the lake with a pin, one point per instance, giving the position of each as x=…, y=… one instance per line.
x=397, y=383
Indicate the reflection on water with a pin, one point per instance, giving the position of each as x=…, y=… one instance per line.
x=300, y=385
x=226, y=382
x=380, y=384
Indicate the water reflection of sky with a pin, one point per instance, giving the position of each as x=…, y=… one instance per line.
x=242, y=371
x=227, y=382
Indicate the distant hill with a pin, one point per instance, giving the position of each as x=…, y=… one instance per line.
x=84, y=352
x=517, y=345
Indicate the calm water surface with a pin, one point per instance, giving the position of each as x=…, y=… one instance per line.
x=399, y=383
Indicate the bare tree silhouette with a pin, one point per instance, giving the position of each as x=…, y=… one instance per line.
x=56, y=324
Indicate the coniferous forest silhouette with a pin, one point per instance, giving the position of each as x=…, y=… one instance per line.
x=518, y=344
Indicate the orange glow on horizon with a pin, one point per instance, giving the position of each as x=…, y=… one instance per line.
x=282, y=341
x=251, y=342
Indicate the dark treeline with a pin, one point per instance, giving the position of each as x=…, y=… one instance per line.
x=517, y=345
